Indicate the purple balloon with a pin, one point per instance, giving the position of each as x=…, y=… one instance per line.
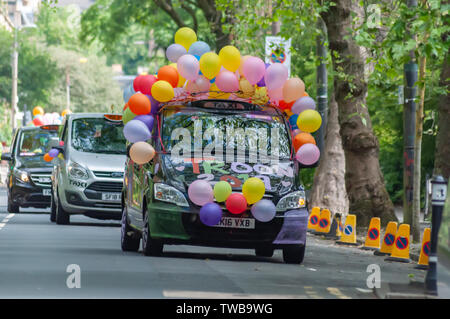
x=262, y=82
x=211, y=214
x=147, y=119
x=302, y=104
x=264, y=210
x=174, y=52
x=308, y=154
x=53, y=152
x=155, y=105
x=136, y=131
x=276, y=75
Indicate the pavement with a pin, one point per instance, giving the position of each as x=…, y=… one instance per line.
x=39, y=259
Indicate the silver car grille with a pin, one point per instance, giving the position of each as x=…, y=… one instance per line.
x=41, y=179
x=108, y=174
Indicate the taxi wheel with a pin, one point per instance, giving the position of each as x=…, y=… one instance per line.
x=264, y=251
x=12, y=208
x=150, y=246
x=62, y=217
x=128, y=242
x=293, y=254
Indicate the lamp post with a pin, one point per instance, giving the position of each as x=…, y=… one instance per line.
x=438, y=197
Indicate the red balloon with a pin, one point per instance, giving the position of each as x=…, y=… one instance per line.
x=286, y=106
x=37, y=122
x=143, y=83
x=169, y=74
x=137, y=83
x=236, y=203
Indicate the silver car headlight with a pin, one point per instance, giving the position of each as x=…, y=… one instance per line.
x=77, y=171
x=291, y=201
x=169, y=194
x=21, y=175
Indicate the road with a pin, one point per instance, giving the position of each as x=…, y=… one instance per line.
x=35, y=255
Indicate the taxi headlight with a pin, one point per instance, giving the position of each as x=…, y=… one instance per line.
x=21, y=175
x=292, y=201
x=77, y=171
x=169, y=194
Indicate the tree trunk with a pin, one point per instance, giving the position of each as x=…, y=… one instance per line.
x=328, y=189
x=442, y=153
x=214, y=18
x=363, y=178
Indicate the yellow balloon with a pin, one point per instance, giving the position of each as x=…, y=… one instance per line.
x=210, y=65
x=253, y=190
x=217, y=94
x=309, y=121
x=230, y=58
x=38, y=111
x=162, y=91
x=65, y=112
x=185, y=36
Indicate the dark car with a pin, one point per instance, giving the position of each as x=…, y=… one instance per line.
x=155, y=201
x=29, y=175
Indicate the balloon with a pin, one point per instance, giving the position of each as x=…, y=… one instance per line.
x=185, y=36
x=264, y=210
x=127, y=115
x=175, y=51
x=188, y=67
x=285, y=106
x=246, y=87
x=136, y=131
x=162, y=91
x=203, y=83
x=293, y=121
x=308, y=154
x=309, y=121
x=293, y=89
x=227, y=81
x=210, y=65
x=169, y=74
x=139, y=104
x=37, y=122
x=199, y=48
x=215, y=93
x=261, y=82
x=200, y=192
x=47, y=157
x=125, y=107
x=65, y=112
x=240, y=69
x=253, y=189
x=146, y=119
x=222, y=190
x=275, y=95
x=253, y=69
x=230, y=58
x=53, y=152
x=141, y=152
x=210, y=214
x=155, y=105
x=136, y=83
x=303, y=138
x=128, y=92
x=146, y=82
x=276, y=75
x=260, y=96
x=181, y=80
x=302, y=104
x=236, y=203
x=38, y=110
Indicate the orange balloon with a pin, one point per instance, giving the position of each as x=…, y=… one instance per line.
x=139, y=104
x=169, y=74
x=305, y=94
x=303, y=138
x=293, y=89
x=126, y=106
x=47, y=157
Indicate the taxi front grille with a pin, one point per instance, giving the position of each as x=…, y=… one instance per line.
x=112, y=187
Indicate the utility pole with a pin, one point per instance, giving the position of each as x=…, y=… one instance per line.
x=67, y=88
x=15, y=62
x=322, y=83
x=409, y=129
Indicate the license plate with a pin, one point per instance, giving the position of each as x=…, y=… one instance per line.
x=113, y=197
x=231, y=222
x=46, y=192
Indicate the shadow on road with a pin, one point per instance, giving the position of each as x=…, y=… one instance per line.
x=224, y=256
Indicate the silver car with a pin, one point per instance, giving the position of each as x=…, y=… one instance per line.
x=88, y=173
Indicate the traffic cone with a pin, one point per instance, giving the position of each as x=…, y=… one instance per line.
x=373, y=240
x=425, y=251
x=388, y=240
x=339, y=227
x=400, y=251
x=335, y=232
x=324, y=222
x=349, y=233
x=313, y=222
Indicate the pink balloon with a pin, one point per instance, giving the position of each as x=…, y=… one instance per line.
x=276, y=94
x=203, y=83
x=308, y=154
x=253, y=69
x=188, y=67
x=200, y=192
x=227, y=81
x=276, y=75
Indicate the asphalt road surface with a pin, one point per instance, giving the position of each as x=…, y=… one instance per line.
x=39, y=259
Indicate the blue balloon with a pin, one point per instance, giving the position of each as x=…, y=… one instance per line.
x=199, y=48
x=136, y=131
x=128, y=92
x=210, y=214
x=264, y=210
x=146, y=119
x=293, y=121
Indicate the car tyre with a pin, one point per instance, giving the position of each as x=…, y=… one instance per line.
x=128, y=242
x=13, y=208
x=293, y=254
x=150, y=246
x=264, y=251
x=62, y=217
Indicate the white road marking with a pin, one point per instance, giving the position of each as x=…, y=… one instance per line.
x=224, y=295
x=5, y=220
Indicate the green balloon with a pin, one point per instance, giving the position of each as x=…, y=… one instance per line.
x=222, y=190
x=127, y=115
